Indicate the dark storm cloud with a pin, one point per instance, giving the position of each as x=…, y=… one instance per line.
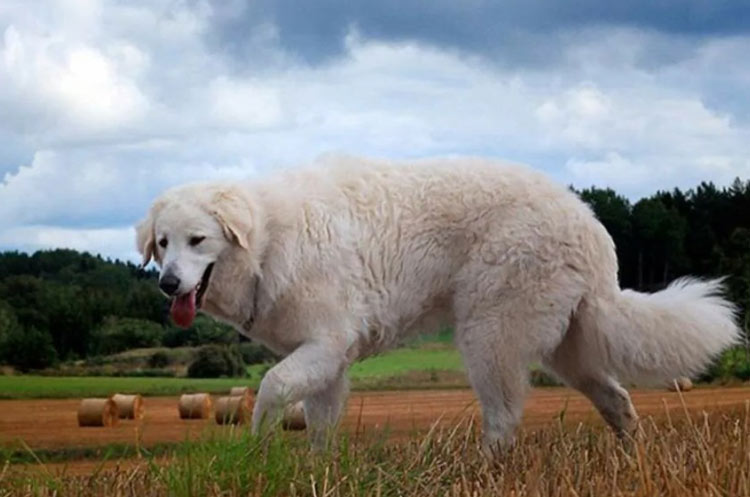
x=511, y=32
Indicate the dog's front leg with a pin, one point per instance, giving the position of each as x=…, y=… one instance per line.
x=307, y=372
x=323, y=409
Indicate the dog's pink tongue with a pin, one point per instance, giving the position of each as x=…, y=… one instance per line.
x=183, y=310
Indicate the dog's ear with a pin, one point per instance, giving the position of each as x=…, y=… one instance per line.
x=232, y=208
x=145, y=238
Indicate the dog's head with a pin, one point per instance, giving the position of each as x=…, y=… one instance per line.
x=188, y=231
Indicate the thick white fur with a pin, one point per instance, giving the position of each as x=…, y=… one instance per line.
x=679, y=329
x=353, y=255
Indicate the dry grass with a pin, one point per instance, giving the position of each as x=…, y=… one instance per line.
x=702, y=455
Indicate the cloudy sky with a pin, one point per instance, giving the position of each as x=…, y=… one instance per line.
x=103, y=104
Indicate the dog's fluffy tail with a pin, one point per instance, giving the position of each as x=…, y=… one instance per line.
x=648, y=338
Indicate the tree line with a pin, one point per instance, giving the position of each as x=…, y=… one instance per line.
x=61, y=305
x=704, y=232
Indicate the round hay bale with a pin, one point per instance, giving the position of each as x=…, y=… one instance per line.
x=129, y=406
x=98, y=412
x=683, y=384
x=241, y=392
x=195, y=406
x=233, y=410
x=294, y=417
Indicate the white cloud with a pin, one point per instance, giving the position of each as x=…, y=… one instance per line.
x=613, y=168
x=243, y=105
x=119, y=101
x=577, y=117
x=113, y=242
x=74, y=87
x=96, y=187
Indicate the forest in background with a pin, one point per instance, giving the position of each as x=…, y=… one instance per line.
x=62, y=305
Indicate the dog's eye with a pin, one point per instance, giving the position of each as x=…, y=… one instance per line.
x=196, y=240
x=163, y=243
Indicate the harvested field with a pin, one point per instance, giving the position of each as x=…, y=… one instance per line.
x=52, y=424
x=671, y=455
x=704, y=454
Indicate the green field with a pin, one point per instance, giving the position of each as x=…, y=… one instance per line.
x=37, y=387
x=390, y=370
x=402, y=361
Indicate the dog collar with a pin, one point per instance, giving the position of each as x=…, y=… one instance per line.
x=248, y=324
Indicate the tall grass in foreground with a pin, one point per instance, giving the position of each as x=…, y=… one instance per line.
x=707, y=454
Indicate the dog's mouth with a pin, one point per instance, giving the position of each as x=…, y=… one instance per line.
x=200, y=290
x=184, y=307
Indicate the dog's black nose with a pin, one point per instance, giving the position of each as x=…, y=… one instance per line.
x=169, y=284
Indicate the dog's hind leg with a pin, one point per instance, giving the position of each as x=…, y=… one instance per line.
x=500, y=333
x=323, y=409
x=496, y=365
x=581, y=370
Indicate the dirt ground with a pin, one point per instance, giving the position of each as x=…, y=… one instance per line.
x=52, y=424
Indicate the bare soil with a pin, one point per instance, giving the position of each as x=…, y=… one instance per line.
x=52, y=424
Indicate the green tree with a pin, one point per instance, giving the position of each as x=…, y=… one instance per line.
x=144, y=301
x=614, y=212
x=69, y=294
x=215, y=361
x=23, y=293
x=704, y=238
x=659, y=236
x=255, y=353
x=120, y=334
x=8, y=322
x=28, y=350
x=69, y=321
x=205, y=330
x=736, y=262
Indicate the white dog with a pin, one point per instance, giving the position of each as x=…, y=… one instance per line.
x=329, y=264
